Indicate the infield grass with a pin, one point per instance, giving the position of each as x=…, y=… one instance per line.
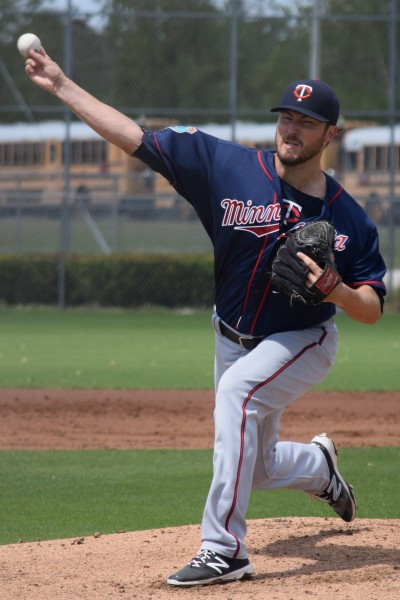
x=42, y=235
x=88, y=348
x=63, y=494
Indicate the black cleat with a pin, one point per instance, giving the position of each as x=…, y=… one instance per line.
x=339, y=494
x=209, y=567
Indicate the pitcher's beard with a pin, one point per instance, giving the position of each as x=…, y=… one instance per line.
x=299, y=158
x=301, y=155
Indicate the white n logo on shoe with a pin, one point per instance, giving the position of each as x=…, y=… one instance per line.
x=210, y=559
x=335, y=488
x=218, y=565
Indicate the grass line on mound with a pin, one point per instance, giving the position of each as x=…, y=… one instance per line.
x=157, y=349
x=62, y=494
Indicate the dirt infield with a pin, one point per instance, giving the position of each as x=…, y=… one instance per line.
x=294, y=558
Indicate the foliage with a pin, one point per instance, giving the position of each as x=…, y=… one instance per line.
x=147, y=59
x=51, y=27
x=162, y=60
x=170, y=281
x=369, y=67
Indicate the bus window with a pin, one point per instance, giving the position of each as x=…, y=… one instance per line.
x=20, y=154
x=87, y=152
x=53, y=153
x=381, y=158
x=351, y=161
x=369, y=159
x=37, y=155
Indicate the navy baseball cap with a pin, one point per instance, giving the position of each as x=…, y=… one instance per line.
x=313, y=98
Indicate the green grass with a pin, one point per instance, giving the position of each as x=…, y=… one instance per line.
x=122, y=234
x=166, y=234
x=63, y=494
x=371, y=472
x=368, y=356
x=105, y=349
x=160, y=349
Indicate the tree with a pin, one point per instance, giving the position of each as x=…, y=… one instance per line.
x=355, y=52
x=174, y=59
x=163, y=61
x=88, y=57
x=14, y=20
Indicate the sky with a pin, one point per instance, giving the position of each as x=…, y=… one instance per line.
x=89, y=6
x=93, y=6
x=84, y=5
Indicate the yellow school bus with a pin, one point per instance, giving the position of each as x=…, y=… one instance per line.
x=42, y=162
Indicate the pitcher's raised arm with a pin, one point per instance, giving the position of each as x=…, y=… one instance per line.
x=108, y=122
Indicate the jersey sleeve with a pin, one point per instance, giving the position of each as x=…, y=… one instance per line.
x=184, y=156
x=368, y=266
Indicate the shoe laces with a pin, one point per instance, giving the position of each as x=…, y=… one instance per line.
x=202, y=557
x=325, y=497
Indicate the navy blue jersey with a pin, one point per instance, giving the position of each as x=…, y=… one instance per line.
x=245, y=210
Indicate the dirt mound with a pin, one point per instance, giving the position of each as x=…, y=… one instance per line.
x=33, y=419
x=294, y=558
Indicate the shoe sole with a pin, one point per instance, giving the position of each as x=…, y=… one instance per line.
x=326, y=444
x=243, y=573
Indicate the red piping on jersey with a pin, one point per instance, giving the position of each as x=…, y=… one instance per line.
x=157, y=144
x=246, y=299
x=340, y=190
x=161, y=153
x=261, y=305
x=372, y=282
x=243, y=426
x=264, y=168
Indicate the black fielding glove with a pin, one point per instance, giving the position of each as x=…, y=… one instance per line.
x=289, y=272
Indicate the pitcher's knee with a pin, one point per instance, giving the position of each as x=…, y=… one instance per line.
x=233, y=387
x=265, y=470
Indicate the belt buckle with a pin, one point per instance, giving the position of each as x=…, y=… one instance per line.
x=244, y=339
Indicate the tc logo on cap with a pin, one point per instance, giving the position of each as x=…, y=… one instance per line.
x=302, y=91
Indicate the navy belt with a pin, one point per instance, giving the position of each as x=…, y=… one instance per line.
x=247, y=342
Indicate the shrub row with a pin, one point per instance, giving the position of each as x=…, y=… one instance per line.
x=117, y=280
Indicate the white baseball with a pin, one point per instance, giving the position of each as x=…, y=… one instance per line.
x=28, y=41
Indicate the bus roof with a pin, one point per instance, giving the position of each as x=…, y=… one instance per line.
x=249, y=132
x=44, y=130
x=56, y=130
x=355, y=139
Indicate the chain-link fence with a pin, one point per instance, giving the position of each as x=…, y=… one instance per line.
x=216, y=65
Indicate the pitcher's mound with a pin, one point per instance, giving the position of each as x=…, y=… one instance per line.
x=293, y=558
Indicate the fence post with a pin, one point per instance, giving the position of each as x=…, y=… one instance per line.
x=66, y=195
x=315, y=50
x=233, y=60
x=392, y=146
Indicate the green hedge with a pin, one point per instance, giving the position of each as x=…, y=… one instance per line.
x=118, y=280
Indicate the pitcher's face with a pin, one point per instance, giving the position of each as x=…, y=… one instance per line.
x=300, y=138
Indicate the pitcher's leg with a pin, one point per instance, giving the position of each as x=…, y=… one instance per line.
x=235, y=453
x=257, y=386
x=290, y=465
